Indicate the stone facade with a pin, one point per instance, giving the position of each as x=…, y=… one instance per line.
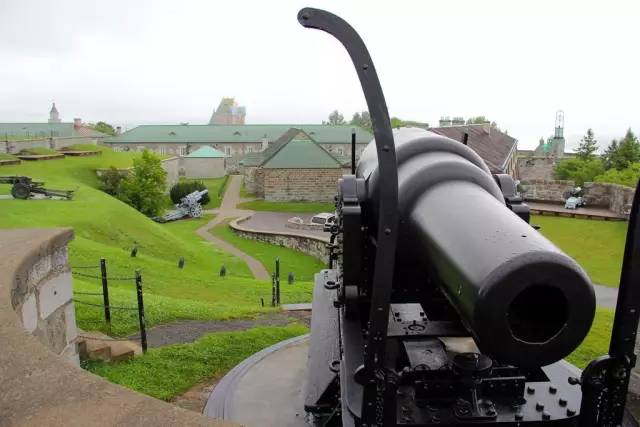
x=549, y=191
x=171, y=166
x=42, y=296
x=535, y=168
x=308, y=244
x=313, y=185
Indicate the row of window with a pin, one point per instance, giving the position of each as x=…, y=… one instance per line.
x=228, y=150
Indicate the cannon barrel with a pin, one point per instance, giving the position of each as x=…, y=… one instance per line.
x=524, y=300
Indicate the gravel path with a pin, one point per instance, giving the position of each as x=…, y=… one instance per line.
x=226, y=211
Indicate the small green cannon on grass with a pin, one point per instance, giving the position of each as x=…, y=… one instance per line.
x=23, y=187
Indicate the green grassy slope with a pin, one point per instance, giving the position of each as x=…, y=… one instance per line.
x=294, y=207
x=596, y=245
x=106, y=227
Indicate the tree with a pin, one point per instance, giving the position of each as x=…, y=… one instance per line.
x=103, y=127
x=478, y=120
x=397, y=123
x=361, y=119
x=144, y=189
x=628, y=176
x=620, y=155
x=579, y=170
x=182, y=188
x=111, y=179
x=335, y=118
x=588, y=146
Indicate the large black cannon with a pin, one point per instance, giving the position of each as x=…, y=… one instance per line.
x=441, y=304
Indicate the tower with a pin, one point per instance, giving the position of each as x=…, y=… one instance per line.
x=54, y=116
x=554, y=146
x=228, y=113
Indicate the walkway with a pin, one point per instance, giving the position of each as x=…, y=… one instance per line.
x=227, y=211
x=585, y=212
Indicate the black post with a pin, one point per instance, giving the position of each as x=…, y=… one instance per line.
x=105, y=291
x=353, y=151
x=273, y=289
x=143, y=325
x=278, y=280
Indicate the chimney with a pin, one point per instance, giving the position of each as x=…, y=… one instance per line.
x=118, y=130
x=486, y=126
x=77, y=123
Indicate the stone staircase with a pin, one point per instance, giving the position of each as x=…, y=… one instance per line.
x=99, y=346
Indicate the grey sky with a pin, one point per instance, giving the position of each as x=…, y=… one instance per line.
x=131, y=62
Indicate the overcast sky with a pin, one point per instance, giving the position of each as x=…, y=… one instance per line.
x=133, y=62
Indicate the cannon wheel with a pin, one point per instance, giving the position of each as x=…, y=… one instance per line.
x=20, y=191
x=195, y=211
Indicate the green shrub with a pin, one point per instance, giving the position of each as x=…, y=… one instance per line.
x=144, y=189
x=628, y=176
x=182, y=188
x=111, y=179
x=578, y=170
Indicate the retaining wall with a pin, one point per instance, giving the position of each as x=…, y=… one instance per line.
x=308, y=244
x=14, y=147
x=38, y=386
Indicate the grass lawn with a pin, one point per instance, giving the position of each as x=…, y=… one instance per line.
x=38, y=150
x=597, y=341
x=596, y=245
x=304, y=267
x=168, y=371
x=5, y=156
x=296, y=207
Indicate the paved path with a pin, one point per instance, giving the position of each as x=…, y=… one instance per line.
x=276, y=222
x=226, y=211
x=606, y=296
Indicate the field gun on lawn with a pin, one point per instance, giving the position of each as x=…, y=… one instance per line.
x=441, y=304
x=23, y=187
x=189, y=206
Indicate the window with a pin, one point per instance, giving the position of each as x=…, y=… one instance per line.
x=227, y=150
x=183, y=151
x=249, y=149
x=340, y=151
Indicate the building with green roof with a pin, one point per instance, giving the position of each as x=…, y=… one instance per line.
x=236, y=141
x=205, y=162
x=295, y=167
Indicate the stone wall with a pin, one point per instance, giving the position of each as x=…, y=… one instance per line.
x=308, y=244
x=542, y=190
x=617, y=198
x=535, y=168
x=314, y=185
x=249, y=173
x=38, y=387
x=14, y=147
x=42, y=296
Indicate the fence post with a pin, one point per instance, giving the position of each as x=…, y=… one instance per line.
x=273, y=289
x=105, y=292
x=143, y=326
x=278, y=280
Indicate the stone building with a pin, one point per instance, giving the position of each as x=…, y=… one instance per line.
x=205, y=162
x=497, y=149
x=228, y=113
x=235, y=141
x=293, y=168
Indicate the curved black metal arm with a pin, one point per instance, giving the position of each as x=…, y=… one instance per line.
x=387, y=168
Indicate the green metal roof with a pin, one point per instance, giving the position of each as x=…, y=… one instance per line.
x=207, y=152
x=211, y=134
x=301, y=154
x=45, y=130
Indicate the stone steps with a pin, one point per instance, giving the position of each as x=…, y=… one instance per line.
x=99, y=346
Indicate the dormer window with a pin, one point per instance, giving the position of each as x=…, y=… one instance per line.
x=172, y=133
x=237, y=133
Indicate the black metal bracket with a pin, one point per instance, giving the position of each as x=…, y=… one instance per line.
x=387, y=168
x=605, y=381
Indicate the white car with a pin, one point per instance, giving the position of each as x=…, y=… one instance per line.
x=325, y=218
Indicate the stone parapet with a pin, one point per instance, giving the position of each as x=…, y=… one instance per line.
x=38, y=386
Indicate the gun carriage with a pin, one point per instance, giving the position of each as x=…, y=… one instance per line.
x=23, y=187
x=441, y=304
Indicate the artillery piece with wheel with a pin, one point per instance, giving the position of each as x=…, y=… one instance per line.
x=23, y=187
x=189, y=206
x=441, y=304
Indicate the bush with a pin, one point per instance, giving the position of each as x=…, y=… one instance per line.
x=578, y=170
x=182, y=188
x=144, y=190
x=628, y=176
x=111, y=179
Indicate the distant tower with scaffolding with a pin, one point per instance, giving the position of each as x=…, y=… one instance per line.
x=554, y=145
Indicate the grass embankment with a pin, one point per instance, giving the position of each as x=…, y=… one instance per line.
x=295, y=207
x=106, y=227
x=303, y=266
x=82, y=147
x=597, y=246
x=166, y=372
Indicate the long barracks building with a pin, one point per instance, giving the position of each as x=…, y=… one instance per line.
x=236, y=141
